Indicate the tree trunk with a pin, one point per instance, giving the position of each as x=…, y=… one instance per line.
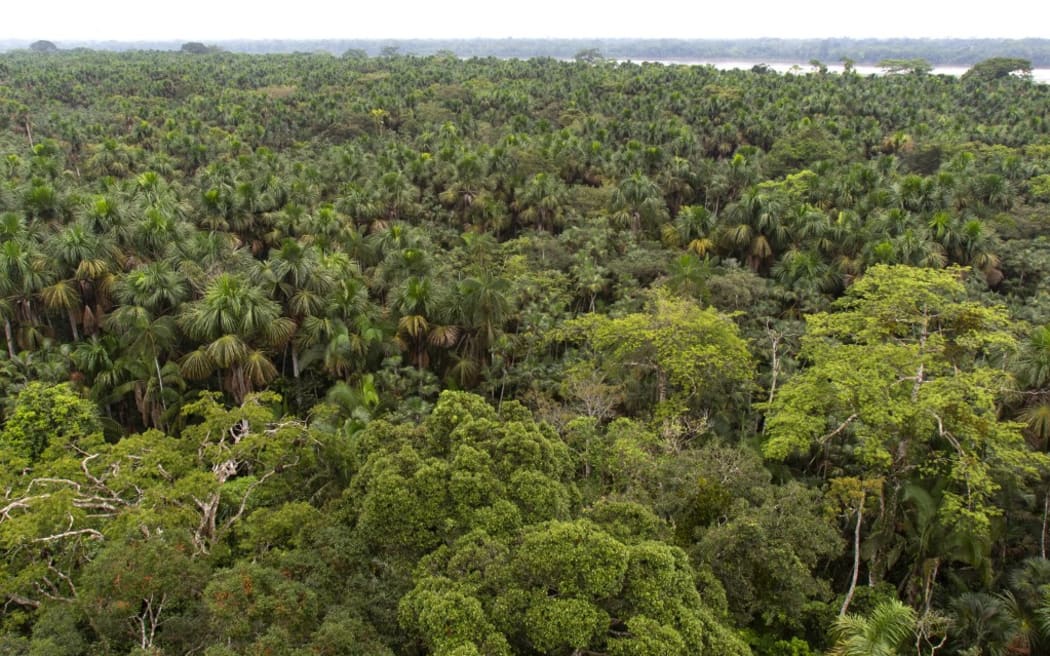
x=73, y=325
x=661, y=386
x=205, y=532
x=856, y=558
x=774, y=338
x=160, y=382
x=10, y=339
x=1042, y=534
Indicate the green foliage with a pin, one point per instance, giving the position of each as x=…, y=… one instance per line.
x=46, y=416
x=615, y=259
x=806, y=145
x=768, y=645
x=693, y=360
x=982, y=622
x=880, y=634
x=914, y=66
x=250, y=604
x=766, y=556
x=541, y=580
x=574, y=559
x=1039, y=187
x=43, y=46
x=564, y=585
x=145, y=592
x=903, y=377
x=998, y=67
x=589, y=56
x=473, y=467
x=344, y=634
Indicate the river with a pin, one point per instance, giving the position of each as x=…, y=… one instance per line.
x=1041, y=75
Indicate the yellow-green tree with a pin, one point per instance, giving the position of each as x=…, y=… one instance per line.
x=684, y=361
x=904, y=382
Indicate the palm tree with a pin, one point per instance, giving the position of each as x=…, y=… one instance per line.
x=236, y=320
x=94, y=358
x=156, y=230
x=397, y=196
x=982, y=622
x=24, y=272
x=541, y=202
x=7, y=311
x=1024, y=601
x=932, y=543
x=756, y=227
x=693, y=228
x=469, y=193
x=812, y=228
x=638, y=203
x=158, y=394
x=590, y=279
x=479, y=251
x=362, y=205
x=84, y=262
x=73, y=244
x=882, y=633
x=993, y=190
x=302, y=281
x=326, y=228
x=348, y=335
x=679, y=182
x=156, y=286
x=63, y=297
x=976, y=249
x=806, y=275
x=483, y=306
x=1032, y=369
x=107, y=214
x=687, y=274
x=1033, y=364
x=418, y=301
x=916, y=193
x=111, y=158
x=146, y=339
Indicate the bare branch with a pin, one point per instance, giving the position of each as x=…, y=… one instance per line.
x=841, y=428
x=827, y=438
x=95, y=535
x=163, y=472
x=63, y=481
x=87, y=473
x=13, y=598
x=19, y=503
x=947, y=434
x=64, y=577
x=244, y=500
x=240, y=430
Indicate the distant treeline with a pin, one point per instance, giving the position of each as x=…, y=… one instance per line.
x=939, y=52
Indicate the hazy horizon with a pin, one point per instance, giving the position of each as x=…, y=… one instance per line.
x=197, y=20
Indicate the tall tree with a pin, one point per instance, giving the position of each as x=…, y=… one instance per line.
x=902, y=382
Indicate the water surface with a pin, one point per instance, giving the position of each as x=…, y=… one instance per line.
x=1041, y=75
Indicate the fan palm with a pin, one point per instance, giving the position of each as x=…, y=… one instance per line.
x=982, y=621
x=880, y=634
x=232, y=317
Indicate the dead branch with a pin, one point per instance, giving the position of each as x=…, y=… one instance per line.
x=95, y=535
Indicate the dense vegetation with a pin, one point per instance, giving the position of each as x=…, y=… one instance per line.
x=317, y=355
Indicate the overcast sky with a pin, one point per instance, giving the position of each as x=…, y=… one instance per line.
x=203, y=20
